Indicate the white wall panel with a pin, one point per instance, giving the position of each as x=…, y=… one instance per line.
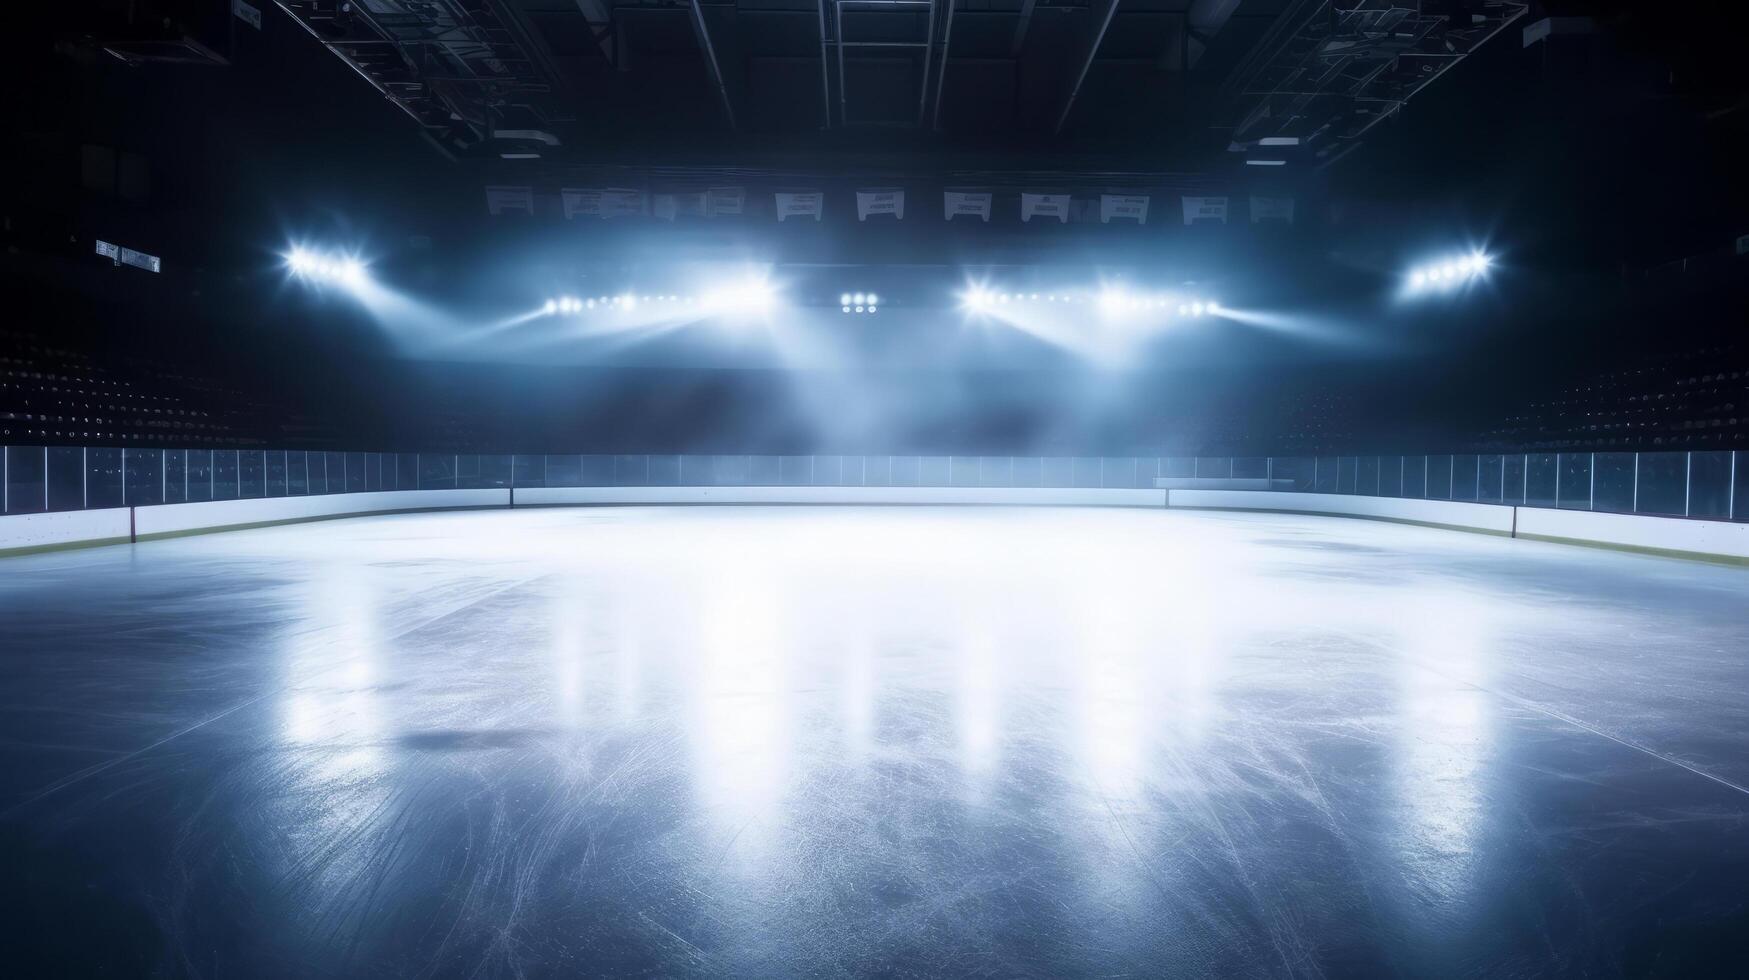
x=1717, y=538
x=1446, y=513
x=63, y=528
x=1040, y=496
x=178, y=518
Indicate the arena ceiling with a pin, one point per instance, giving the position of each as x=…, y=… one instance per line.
x=1189, y=85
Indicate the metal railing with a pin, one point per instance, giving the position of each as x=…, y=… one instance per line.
x=1704, y=485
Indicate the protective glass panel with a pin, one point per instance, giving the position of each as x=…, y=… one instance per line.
x=251, y=473
x=1540, y=480
x=275, y=461
x=1415, y=477
x=933, y=471
x=1489, y=470
x=26, y=479
x=1366, y=480
x=1575, y=481
x=66, y=477
x=1390, y=476
x=1439, y=478
x=1512, y=480
x=1293, y=473
x=663, y=471
x=224, y=474
x=1709, y=484
x=175, y=476
x=200, y=474
x=1214, y=467
x=103, y=478
x=1663, y=483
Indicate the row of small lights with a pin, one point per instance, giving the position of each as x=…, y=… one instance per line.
x=858, y=303
x=1113, y=302
x=751, y=296
x=316, y=265
x=1449, y=273
x=571, y=304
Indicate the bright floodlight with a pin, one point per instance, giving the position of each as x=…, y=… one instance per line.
x=976, y=299
x=1196, y=309
x=844, y=300
x=1447, y=274
x=341, y=270
x=551, y=307
x=1113, y=302
x=749, y=297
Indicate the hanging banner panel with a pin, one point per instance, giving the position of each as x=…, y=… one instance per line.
x=510, y=200
x=975, y=204
x=1129, y=207
x=1044, y=206
x=880, y=200
x=667, y=207
x=725, y=201
x=619, y=202
x=580, y=202
x=1205, y=209
x=800, y=204
x=1272, y=209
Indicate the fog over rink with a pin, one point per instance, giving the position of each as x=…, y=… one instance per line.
x=755, y=741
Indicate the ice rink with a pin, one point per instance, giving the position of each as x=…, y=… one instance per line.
x=920, y=742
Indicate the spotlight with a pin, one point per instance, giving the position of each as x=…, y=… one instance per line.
x=589, y=303
x=845, y=309
x=346, y=271
x=1196, y=309
x=749, y=297
x=1113, y=302
x=844, y=300
x=856, y=300
x=975, y=300
x=872, y=300
x=1449, y=273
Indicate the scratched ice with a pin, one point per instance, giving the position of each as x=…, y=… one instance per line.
x=917, y=742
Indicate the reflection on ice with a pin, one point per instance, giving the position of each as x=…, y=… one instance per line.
x=1444, y=740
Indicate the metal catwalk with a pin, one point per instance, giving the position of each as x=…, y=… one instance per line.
x=769, y=742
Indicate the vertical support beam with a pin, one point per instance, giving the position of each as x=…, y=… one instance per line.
x=1021, y=28
x=928, y=52
x=825, y=73
x=1087, y=62
x=710, y=59
x=941, y=71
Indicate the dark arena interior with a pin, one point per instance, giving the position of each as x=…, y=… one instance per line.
x=874, y=488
